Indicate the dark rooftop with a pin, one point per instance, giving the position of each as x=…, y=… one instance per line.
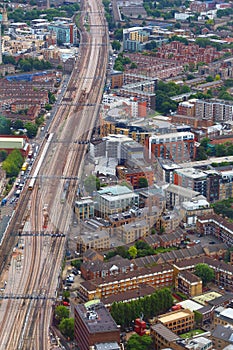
x=98, y=319
x=164, y=332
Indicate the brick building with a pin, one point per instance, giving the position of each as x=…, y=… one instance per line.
x=179, y=146
x=94, y=324
x=158, y=276
x=10, y=143
x=188, y=284
x=134, y=173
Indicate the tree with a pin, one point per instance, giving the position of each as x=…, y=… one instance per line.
x=205, y=272
x=5, y=126
x=31, y=129
x=13, y=163
x=118, y=34
x=61, y=312
x=66, y=326
x=66, y=295
x=137, y=342
x=116, y=45
x=3, y=155
x=142, y=182
x=92, y=183
x=133, y=251
x=18, y=124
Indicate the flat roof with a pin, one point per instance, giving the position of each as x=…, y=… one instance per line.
x=204, y=298
x=173, y=316
x=190, y=305
x=103, y=321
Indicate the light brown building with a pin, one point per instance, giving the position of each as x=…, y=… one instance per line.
x=188, y=283
x=179, y=322
x=158, y=276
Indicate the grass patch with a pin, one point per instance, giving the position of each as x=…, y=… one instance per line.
x=191, y=333
x=164, y=250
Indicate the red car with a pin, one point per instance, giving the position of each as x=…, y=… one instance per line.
x=65, y=303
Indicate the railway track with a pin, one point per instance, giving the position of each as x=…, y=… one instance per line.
x=62, y=160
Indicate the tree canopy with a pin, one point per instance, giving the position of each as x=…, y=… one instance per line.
x=137, y=342
x=92, y=183
x=61, y=312
x=66, y=326
x=13, y=163
x=205, y=272
x=150, y=306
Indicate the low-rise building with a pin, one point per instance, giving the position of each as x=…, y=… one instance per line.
x=10, y=143
x=115, y=199
x=179, y=322
x=84, y=208
x=222, y=336
x=98, y=240
x=129, y=233
x=189, y=284
x=158, y=276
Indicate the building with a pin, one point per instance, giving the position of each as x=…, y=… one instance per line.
x=93, y=324
x=116, y=80
x=222, y=336
x=193, y=209
x=215, y=110
x=133, y=38
x=179, y=146
x=217, y=226
x=66, y=33
x=223, y=316
x=84, y=208
x=223, y=271
x=10, y=143
x=191, y=178
x=133, y=174
x=163, y=337
x=115, y=199
x=188, y=283
x=129, y=233
x=176, y=195
x=95, y=269
x=179, y=322
x=158, y=276
x=97, y=240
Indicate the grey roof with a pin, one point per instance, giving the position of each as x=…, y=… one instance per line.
x=103, y=323
x=164, y=332
x=174, y=255
x=107, y=346
x=224, y=333
x=222, y=299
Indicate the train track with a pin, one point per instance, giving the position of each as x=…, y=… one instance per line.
x=62, y=160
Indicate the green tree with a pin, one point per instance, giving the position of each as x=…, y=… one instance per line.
x=18, y=124
x=209, y=79
x=118, y=34
x=76, y=263
x=5, y=126
x=66, y=326
x=3, y=155
x=142, y=182
x=137, y=342
x=133, y=251
x=92, y=183
x=61, y=312
x=31, y=129
x=66, y=295
x=205, y=272
x=116, y=45
x=13, y=163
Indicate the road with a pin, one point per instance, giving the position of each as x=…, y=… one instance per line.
x=33, y=276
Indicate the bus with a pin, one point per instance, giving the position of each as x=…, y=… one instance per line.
x=24, y=166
